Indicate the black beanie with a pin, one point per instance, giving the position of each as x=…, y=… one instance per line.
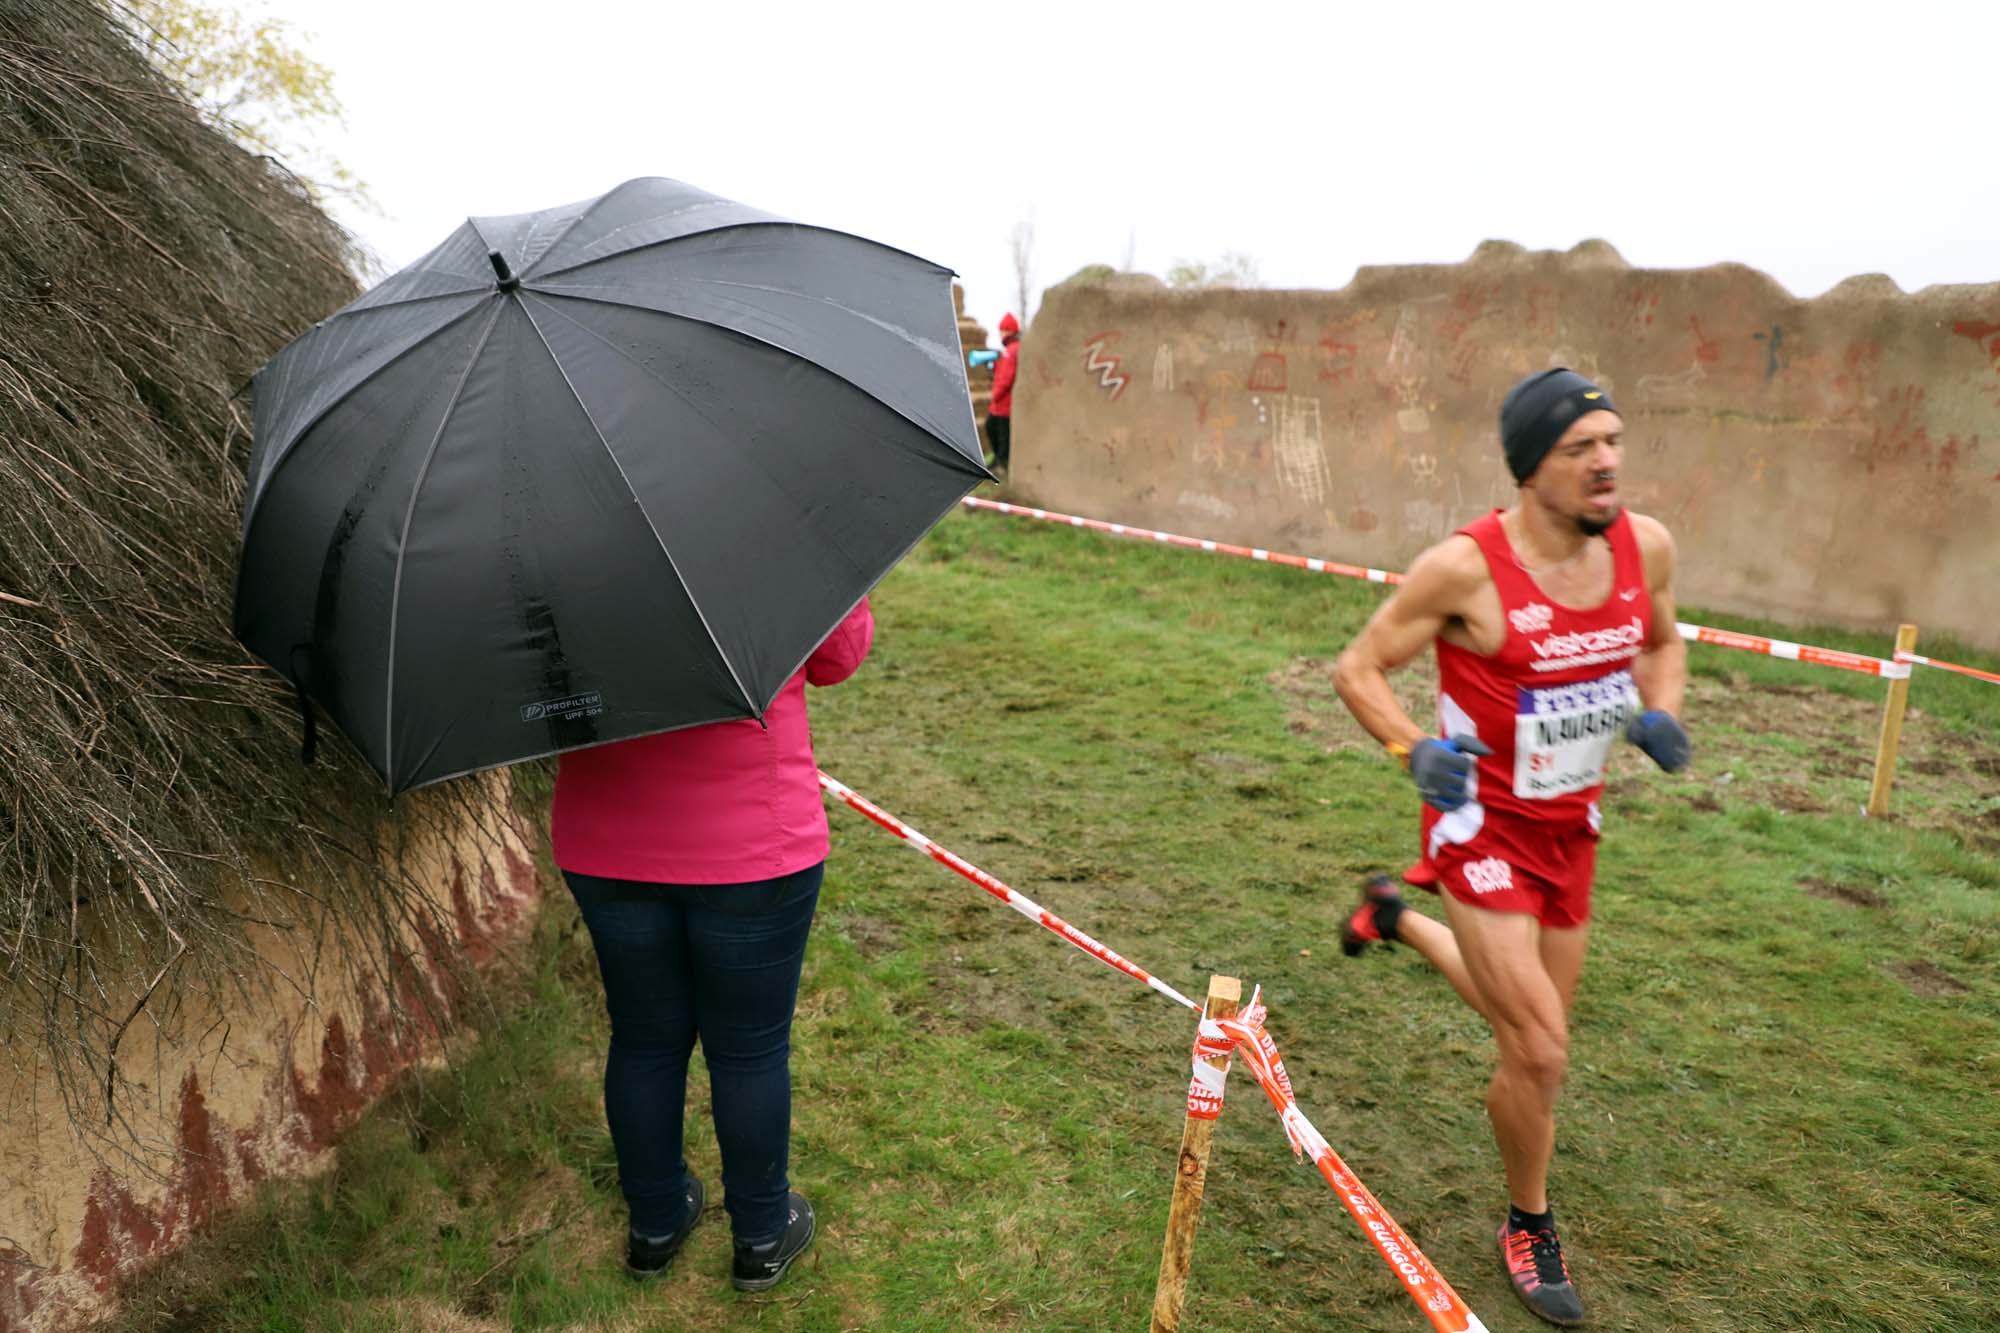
x=1537, y=412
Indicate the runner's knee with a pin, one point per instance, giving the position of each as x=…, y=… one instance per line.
x=1538, y=1053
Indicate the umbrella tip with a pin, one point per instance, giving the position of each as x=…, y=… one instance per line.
x=508, y=282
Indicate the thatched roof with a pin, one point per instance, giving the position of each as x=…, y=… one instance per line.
x=148, y=768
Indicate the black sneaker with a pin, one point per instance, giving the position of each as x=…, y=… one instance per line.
x=1358, y=931
x=762, y=1267
x=1534, y=1264
x=648, y=1256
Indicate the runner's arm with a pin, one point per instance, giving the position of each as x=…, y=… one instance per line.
x=1661, y=670
x=1433, y=592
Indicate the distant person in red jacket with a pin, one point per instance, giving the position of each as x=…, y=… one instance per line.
x=1000, y=415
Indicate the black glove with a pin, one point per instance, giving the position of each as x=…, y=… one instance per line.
x=1442, y=767
x=1659, y=735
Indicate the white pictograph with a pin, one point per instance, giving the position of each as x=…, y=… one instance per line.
x=1209, y=505
x=1296, y=447
x=1411, y=417
x=1163, y=369
x=1403, y=341
x=1104, y=365
x=1424, y=468
x=1672, y=386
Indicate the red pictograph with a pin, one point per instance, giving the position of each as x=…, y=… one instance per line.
x=1979, y=330
x=1268, y=373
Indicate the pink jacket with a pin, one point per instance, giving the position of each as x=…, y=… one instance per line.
x=725, y=803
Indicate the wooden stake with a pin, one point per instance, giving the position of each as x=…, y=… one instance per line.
x=1224, y=995
x=1892, y=730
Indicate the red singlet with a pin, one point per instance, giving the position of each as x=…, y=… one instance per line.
x=1551, y=704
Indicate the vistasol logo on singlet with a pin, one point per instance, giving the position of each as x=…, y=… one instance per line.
x=1591, y=647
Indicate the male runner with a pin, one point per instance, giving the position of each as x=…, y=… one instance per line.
x=1553, y=621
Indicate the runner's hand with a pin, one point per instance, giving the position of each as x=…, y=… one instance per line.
x=1659, y=735
x=1442, y=767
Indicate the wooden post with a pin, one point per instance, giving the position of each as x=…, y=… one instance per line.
x=1892, y=730
x=1224, y=995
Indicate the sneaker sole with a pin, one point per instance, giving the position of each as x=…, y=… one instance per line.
x=766, y=1283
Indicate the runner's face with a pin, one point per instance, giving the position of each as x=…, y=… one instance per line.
x=1578, y=480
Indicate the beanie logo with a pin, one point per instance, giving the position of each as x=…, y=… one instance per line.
x=1593, y=395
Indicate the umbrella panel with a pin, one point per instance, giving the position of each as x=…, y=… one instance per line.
x=782, y=492
x=804, y=289
x=319, y=553
x=536, y=610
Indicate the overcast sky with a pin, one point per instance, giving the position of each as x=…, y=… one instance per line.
x=1810, y=140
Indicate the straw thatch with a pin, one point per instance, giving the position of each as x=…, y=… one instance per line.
x=151, y=796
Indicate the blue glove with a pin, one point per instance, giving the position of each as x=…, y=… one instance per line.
x=1442, y=767
x=1659, y=735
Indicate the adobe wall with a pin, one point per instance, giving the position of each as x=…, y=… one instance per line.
x=1835, y=460
x=214, y=1100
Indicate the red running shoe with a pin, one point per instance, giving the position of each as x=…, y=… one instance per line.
x=1359, y=929
x=1534, y=1263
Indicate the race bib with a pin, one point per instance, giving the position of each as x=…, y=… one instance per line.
x=1563, y=734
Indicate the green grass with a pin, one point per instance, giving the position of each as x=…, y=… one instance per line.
x=1766, y=1125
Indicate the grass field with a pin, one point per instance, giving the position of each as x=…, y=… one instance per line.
x=1780, y=1112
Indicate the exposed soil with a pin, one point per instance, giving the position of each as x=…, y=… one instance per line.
x=871, y=936
x=1842, y=893
x=1314, y=712
x=1926, y=979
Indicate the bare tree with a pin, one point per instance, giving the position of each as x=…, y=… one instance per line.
x=1021, y=247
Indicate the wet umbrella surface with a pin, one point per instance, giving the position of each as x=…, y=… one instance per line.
x=593, y=473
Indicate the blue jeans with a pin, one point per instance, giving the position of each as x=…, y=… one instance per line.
x=717, y=961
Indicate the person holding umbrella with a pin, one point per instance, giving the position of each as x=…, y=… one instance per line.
x=613, y=481
x=696, y=858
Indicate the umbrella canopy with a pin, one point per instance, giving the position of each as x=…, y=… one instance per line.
x=592, y=473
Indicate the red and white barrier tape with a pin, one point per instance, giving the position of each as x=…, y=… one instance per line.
x=1441, y=1305
x=1026, y=906
x=1973, y=672
x=1796, y=652
x=1245, y=1036
x=1721, y=638
x=1312, y=563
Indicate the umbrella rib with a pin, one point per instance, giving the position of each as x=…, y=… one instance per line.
x=796, y=355
x=403, y=545
x=612, y=454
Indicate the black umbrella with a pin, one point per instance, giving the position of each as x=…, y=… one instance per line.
x=592, y=473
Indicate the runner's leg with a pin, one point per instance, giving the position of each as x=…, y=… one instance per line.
x=1562, y=954
x=1434, y=940
x=1525, y=1007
